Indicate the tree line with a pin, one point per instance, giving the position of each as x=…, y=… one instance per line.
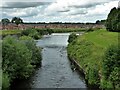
x=15, y=20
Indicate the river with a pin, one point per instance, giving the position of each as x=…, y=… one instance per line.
x=55, y=71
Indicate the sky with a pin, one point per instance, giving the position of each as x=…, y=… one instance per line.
x=57, y=10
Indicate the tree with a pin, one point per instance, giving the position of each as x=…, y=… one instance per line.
x=97, y=22
x=113, y=19
x=17, y=20
x=5, y=21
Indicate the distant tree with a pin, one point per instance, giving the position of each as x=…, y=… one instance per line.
x=5, y=21
x=101, y=22
x=97, y=22
x=17, y=20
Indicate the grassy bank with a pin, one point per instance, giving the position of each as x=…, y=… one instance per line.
x=10, y=32
x=89, y=51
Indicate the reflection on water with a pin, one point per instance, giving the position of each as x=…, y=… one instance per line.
x=55, y=71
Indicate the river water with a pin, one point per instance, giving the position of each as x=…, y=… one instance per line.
x=55, y=71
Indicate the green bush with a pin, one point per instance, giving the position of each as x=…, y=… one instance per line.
x=16, y=58
x=111, y=66
x=26, y=32
x=31, y=45
x=35, y=32
x=5, y=81
x=32, y=33
x=72, y=37
x=44, y=31
x=92, y=76
x=105, y=84
x=20, y=56
x=26, y=38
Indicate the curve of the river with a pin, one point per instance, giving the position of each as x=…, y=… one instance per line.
x=55, y=71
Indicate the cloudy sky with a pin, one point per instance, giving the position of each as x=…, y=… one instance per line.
x=57, y=10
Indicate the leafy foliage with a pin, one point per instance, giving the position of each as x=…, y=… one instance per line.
x=5, y=81
x=44, y=31
x=113, y=20
x=36, y=33
x=92, y=76
x=31, y=32
x=72, y=37
x=31, y=45
x=5, y=21
x=17, y=20
x=19, y=58
x=111, y=66
x=16, y=58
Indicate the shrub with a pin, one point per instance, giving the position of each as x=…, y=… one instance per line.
x=16, y=58
x=5, y=81
x=72, y=37
x=19, y=58
x=31, y=32
x=31, y=45
x=36, y=33
x=44, y=31
x=26, y=32
x=111, y=66
x=92, y=76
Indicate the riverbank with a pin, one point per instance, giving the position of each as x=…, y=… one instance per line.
x=56, y=69
x=11, y=39
x=56, y=30
x=88, y=51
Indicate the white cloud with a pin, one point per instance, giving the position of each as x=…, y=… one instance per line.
x=102, y=9
x=63, y=10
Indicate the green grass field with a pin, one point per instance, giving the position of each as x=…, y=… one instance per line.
x=101, y=40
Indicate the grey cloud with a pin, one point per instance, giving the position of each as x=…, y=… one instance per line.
x=92, y=4
x=3, y=15
x=84, y=6
x=27, y=12
x=78, y=13
x=63, y=11
x=28, y=15
x=23, y=4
